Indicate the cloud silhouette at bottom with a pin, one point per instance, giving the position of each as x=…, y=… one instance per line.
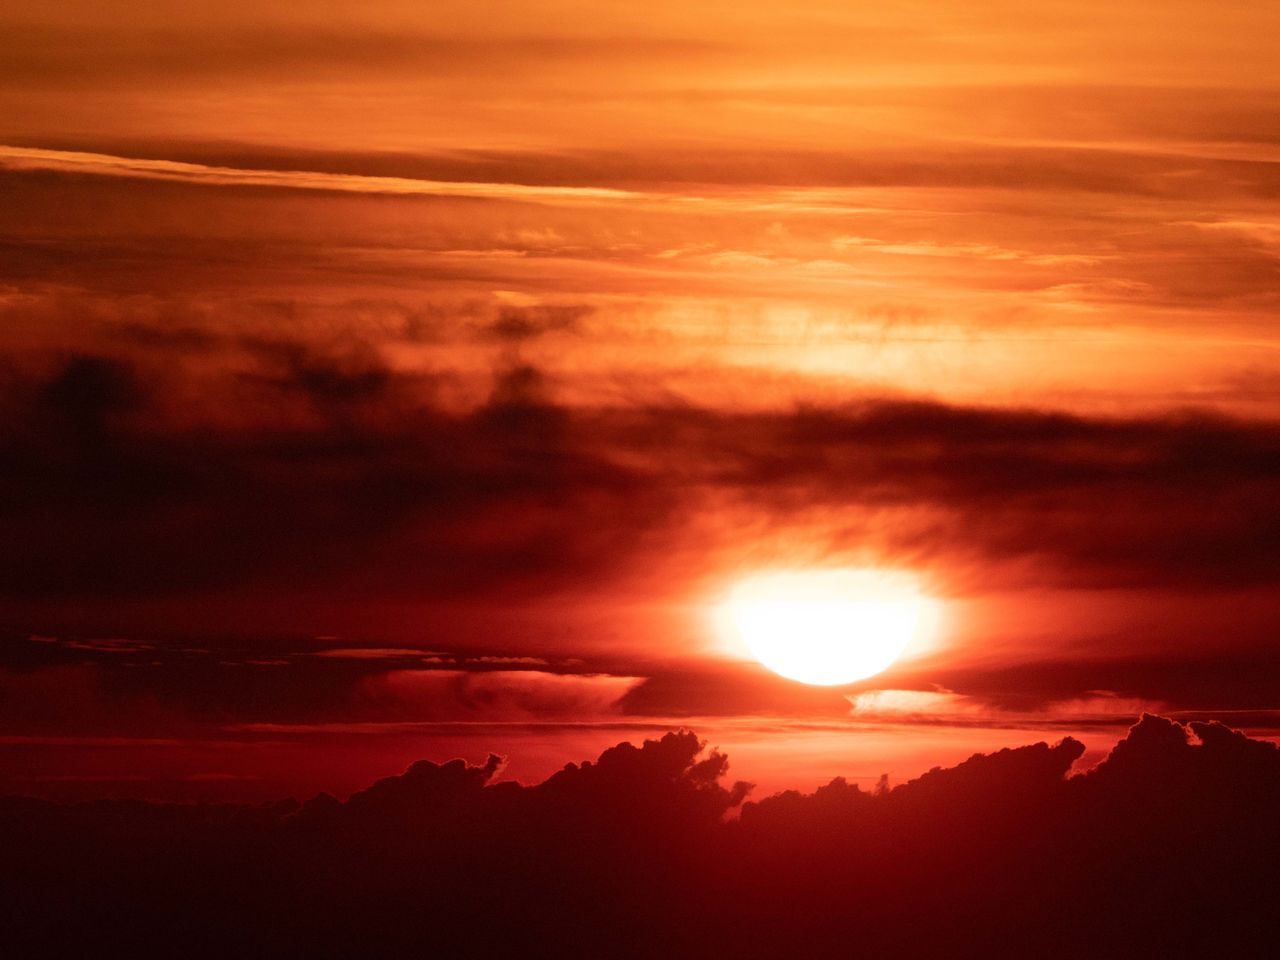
x=1167, y=848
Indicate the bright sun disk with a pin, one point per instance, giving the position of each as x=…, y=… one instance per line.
x=828, y=627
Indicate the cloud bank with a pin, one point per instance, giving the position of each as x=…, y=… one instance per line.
x=1165, y=848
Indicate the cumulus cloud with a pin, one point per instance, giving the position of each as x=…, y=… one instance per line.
x=1166, y=848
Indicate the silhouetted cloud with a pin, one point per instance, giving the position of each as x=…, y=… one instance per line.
x=1165, y=848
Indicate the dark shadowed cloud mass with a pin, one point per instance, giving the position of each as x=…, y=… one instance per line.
x=1164, y=848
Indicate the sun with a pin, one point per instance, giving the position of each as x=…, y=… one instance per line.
x=828, y=627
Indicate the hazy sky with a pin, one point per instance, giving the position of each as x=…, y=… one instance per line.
x=393, y=380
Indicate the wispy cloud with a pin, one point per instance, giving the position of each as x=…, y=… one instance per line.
x=106, y=165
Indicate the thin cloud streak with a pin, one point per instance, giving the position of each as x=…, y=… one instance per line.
x=793, y=201
x=105, y=165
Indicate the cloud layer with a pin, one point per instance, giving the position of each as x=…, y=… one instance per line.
x=356, y=477
x=1165, y=848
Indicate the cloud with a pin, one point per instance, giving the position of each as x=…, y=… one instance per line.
x=373, y=653
x=911, y=704
x=353, y=478
x=818, y=183
x=68, y=161
x=518, y=323
x=287, y=226
x=1001, y=854
x=491, y=695
x=946, y=707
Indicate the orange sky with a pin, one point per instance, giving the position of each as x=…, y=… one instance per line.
x=520, y=331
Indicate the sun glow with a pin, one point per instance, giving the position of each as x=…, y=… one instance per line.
x=828, y=627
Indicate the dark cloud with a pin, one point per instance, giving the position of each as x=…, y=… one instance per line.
x=343, y=473
x=1208, y=678
x=1165, y=848
x=325, y=379
x=291, y=503
x=1239, y=681
x=517, y=324
x=77, y=687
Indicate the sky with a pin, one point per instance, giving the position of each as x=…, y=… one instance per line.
x=384, y=382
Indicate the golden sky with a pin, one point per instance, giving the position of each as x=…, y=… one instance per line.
x=521, y=330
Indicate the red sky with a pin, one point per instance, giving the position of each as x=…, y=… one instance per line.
x=384, y=381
